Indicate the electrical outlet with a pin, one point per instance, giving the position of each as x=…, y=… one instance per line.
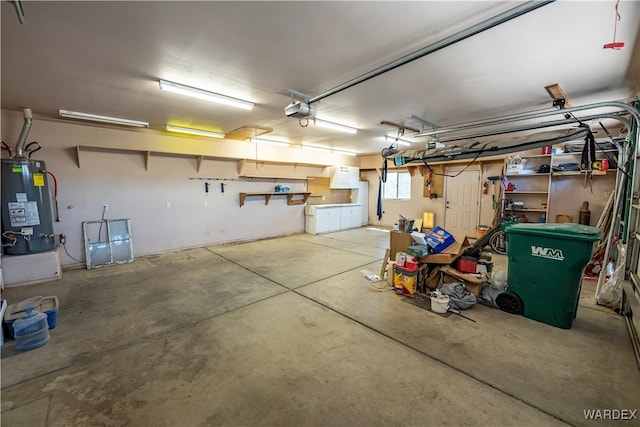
x=205, y=203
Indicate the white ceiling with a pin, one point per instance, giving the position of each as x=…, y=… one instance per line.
x=107, y=57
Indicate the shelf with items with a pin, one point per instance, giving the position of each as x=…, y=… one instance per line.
x=526, y=191
x=606, y=160
x=557, y=192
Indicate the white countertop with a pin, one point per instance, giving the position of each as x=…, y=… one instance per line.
x=335, y=205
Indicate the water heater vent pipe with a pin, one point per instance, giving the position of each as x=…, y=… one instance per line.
x=25, y=132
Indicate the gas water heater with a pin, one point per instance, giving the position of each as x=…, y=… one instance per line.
x=27, y=218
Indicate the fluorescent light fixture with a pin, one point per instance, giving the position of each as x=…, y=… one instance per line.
x=192, y=131
x=345, y=152
x=273, y=140
x=398, y=141
x=103, y=119
x=335, y=126
x=315, y=148
x=206, y=95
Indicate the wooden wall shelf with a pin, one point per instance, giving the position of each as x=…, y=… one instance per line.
x=267, y=197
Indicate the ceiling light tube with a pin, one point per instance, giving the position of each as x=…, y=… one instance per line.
x=398, y=141
x=345, y=152
x=205, y=95
x=192, y=131
x=103, y=119
x=270, y=140
x=335, y=126
x=315, y=148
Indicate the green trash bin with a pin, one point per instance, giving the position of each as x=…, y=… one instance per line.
x=546, y=264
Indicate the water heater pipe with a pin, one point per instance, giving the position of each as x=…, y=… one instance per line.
x=55, y=194
x=25, y=132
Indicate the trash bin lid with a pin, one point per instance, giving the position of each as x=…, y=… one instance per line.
x=561, y=230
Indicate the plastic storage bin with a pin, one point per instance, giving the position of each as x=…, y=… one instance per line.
x=31, y=331
x=546, y=264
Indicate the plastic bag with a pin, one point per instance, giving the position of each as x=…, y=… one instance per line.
x=459, y=297
x=611, y=291
x=499, y=280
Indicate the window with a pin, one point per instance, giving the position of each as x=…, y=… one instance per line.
x=398, y=186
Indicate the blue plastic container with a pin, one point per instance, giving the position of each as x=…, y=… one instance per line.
x=31, y=331
x=47, y=305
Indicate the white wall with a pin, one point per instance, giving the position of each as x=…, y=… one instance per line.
x=121, y=181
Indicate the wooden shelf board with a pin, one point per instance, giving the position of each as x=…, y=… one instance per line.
x=575, y=173
x=267, y=197
x=533, y=156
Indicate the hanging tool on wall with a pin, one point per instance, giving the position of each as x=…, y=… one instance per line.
x=222, y=187
x=428, y=183
x=206, y=187
x=493, y=180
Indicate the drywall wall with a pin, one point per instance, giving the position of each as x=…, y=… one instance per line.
x=321, y=194
x=165, y=199
x=413, y=208
x=392, y=209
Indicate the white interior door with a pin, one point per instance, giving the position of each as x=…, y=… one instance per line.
x=462, y=198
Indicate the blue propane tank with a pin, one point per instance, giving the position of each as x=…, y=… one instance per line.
x=31, y=331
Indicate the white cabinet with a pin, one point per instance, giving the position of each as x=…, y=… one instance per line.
x=350, y=217
x=329, y=218
x=344, y=177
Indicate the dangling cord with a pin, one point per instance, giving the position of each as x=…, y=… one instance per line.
x=615, y=22
x=32, y=151
x=6, y=147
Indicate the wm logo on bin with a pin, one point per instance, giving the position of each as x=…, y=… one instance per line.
x=550, y=253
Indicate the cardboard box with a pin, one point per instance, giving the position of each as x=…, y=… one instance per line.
x=439, y=239
x=450, y=254
x=398, y=242
x=472, y=282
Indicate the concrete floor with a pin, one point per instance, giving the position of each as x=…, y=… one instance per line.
x=287, y=332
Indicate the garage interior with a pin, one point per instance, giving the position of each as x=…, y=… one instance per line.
x=244, y=292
